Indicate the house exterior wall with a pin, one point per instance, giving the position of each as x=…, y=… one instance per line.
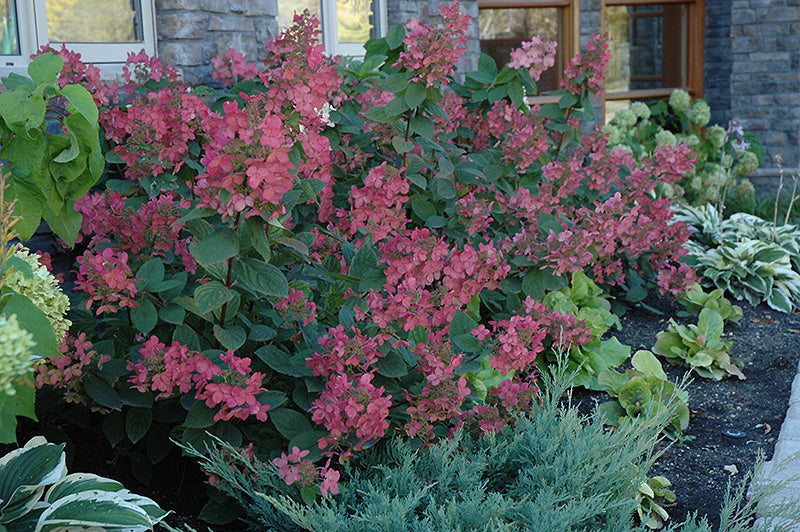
x=765, y=75
x=190, y=32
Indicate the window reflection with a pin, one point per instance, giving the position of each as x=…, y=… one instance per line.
x=352, y=19
x=649, y=47
x=93, y=21
x=502, y=30
x=9, y=40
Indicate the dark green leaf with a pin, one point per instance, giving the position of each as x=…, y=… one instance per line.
x=101, y=392
x=402, y=146
x=232, y=337
x=114, y=428
x=217, y=247
x=395, y=36
x=137, y=423
x=144, y=316
x=415, y=94
x=289, y=423
x=262, y=277
x=211, y=296
x=422, y=125
x=258, y=237
x=533, y=284
x=391, y=365
x=199, y=416
x=151, y=272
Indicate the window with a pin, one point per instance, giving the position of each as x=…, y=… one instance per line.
x=102, y=31
x=504, y=24
x=657, y=47
x=346, y=24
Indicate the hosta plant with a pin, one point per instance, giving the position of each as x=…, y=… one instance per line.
x=695, y=299
x=699, y=346
x=746, y=256
x=643, y=389
x=652, y=495
x=71, y=502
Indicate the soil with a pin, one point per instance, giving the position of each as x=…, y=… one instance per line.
x=767, y=343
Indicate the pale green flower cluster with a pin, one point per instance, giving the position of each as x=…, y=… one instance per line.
x=615, y=135
x=679, y=100
x=699, y=114
x=747, y=164
x=43, y=291
x=665, y=138
x=15, y=352
x=625, y=118
x=641, y=110
x=716, y=135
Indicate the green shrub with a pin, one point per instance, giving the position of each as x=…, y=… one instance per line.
x=551, y=470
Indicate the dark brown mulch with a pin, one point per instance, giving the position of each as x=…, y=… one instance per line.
x=767, y=343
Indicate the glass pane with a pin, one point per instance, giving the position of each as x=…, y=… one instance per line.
x=91, y=21
x=352, y=20
x=502, y=30
x=9, y=38
x=287, y=9
x=649, y=47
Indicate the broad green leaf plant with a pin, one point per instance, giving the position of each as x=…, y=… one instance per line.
x=49, y=135
x=699, y=346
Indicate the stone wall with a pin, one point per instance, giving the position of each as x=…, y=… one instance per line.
x=717, y=60
x=765, y=75
x=190, y=32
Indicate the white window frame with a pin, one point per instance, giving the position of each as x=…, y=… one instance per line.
x=32, y=33
x=330, y=28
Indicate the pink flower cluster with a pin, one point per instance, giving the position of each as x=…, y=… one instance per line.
x=155, y=131
x=427, y=280
x=536, y=55
x=588, y=71
x=295, y=468
x=107, y=279
x=152, y=230
x=233, y=388
x=627, y=224
x=297, y=307
x=443, y=392
x=379, y=205
x=518, y=341
x=66, y=371
x=433, y=51
x=350, y=407
x=232, y=67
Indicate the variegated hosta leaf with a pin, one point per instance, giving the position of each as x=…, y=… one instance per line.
x=24, y=474
x=78, y=482
x=97, y=509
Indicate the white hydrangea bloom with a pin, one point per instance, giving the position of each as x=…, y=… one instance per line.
x=641, y=110
x=665, y=138
x=625, y=118
x=43, y=291
x=699, y=114
x=614, y=134
x=679, y=100
x=747, y=164
x=716, y=135
x=15, y=352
